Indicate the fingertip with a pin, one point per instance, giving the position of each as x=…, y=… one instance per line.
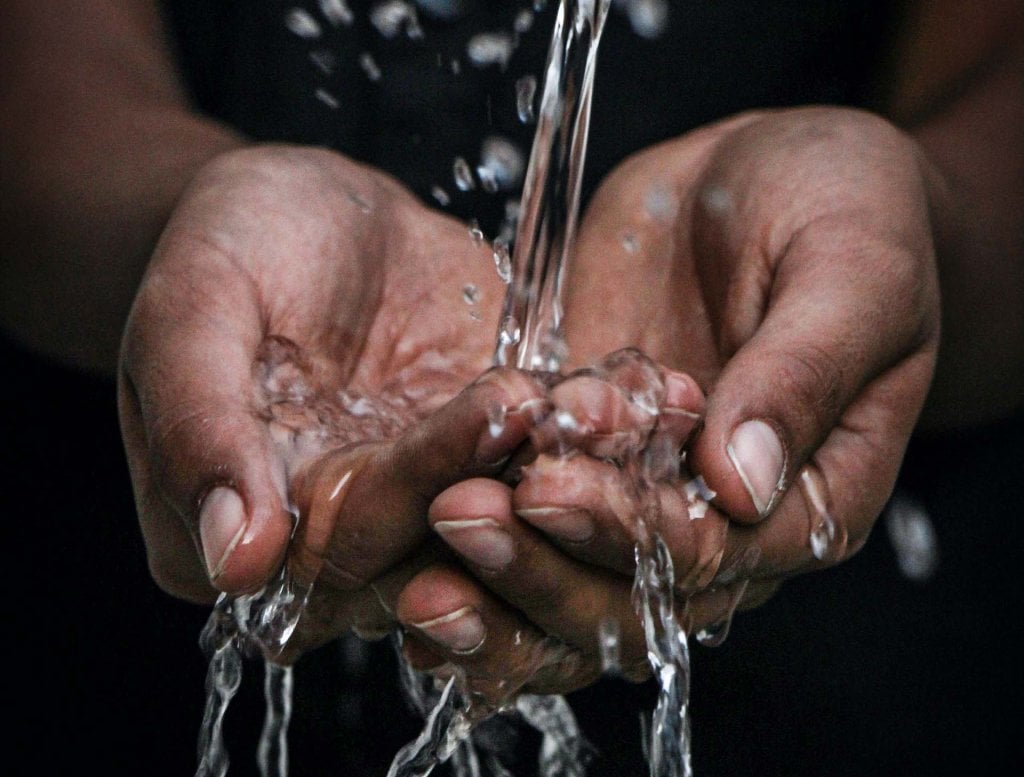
x=242, y=546
x=745, y=466
x=683, y=393
x=469, y=499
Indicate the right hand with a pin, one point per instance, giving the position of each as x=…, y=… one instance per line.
x=291, y=291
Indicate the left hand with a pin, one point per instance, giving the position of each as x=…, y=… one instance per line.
x=784, y=260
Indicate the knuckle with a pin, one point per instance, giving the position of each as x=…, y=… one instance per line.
x=813, y=377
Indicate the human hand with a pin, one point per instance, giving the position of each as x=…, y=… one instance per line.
x=291, y=349
x=784, y=260
x=788, y=259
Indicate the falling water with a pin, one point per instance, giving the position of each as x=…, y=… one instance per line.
x=530, y=337
x=551, y=192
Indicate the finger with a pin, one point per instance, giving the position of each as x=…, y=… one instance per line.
x=170, y=548
x=844, y=306
x=590, y=509
x=364, y=509
x=563, y=597
x=196, y=439
x=454, y=618
x=682, y=408
x=369, y=611
x=828, y=514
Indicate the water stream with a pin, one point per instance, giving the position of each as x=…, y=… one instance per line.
x=529, y=337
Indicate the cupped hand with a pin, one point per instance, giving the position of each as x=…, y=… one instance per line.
x=785, y=261
x=308, y=341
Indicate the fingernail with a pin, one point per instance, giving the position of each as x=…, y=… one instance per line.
x=461, y=631
x=680, y=390
x=505, y=425
x=222, y=524
x=563, y=523
x=480, y=541
x=757, y=454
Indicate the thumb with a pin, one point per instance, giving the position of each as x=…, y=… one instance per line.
x=209, y=486
x=842, y=310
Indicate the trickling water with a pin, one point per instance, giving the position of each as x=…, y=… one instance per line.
x=913, y=537
x=609, y=633
x=257, y=624
x=463, y=175
x=526, y=90
x=551, y=192
x=272, y=755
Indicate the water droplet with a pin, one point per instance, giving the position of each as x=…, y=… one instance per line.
x=503, y=261
x=390, y=17
x=553, y=352
x=913, y=537
x=824, y=537
x=566, y=421
x=441, y=196
x=822, y=534
x=716, y=199
x=369, y=66
x=496, y=417
x=301, y=23
x=490, y=48
x=463, y=175
x=648, y=18
x=337, y=12
x=509, y=333
x=698, y=489
x=323, y=60
x=608, y=639
x=630, y=243
x=660, y=203
x=475, y=232
x=488, y=181
x=327, y=99
x=523, y=21
x=471, y=294
x=526, y=90
x=442, y=9
x=501, y=164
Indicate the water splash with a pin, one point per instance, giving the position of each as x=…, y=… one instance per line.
x=913, y=537
x=302, y=23
x=526, y=91
x=550, y=202
x=463, y=175
x=490, y=48
x=391, y=17
x=256, y=624
x=337, y=12
x=609, y=634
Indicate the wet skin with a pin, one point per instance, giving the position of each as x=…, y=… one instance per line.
x=802, y=298
x=787, y=260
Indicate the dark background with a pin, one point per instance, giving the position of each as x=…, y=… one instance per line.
x=854, y=671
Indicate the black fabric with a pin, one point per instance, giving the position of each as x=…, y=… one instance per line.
x=854, y=671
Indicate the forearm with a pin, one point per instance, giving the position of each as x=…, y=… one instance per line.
x=980, y=249
x=98, y=143
x=961, y=96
